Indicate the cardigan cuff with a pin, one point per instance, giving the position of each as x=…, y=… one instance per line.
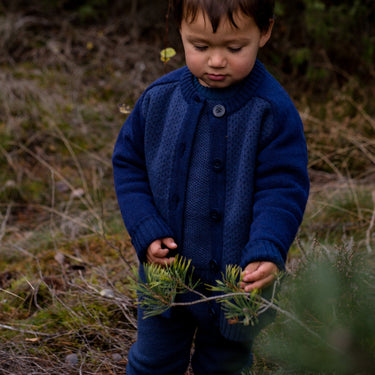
x=262, y=250
x=148, y=230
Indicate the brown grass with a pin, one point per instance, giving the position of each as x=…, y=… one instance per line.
x=62, y=241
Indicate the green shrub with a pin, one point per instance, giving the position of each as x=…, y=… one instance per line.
x=332, y=296
x=325, y=41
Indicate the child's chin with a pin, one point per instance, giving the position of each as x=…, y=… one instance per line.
x=218, y=84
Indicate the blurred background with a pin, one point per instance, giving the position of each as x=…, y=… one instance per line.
x=70, y=72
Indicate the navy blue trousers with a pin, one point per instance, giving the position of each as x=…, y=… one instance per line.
x=164, y=345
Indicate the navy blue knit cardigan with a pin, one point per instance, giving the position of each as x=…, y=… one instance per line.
x=244, y=155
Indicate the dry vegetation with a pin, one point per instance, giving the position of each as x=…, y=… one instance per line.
x=65, y=259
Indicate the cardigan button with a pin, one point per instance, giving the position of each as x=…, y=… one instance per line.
x=175, y=201
x=215, y=215
x=217, y=165
x=214, y=267
x=218, y=110
x=182, y=149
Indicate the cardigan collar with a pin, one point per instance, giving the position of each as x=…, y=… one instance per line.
x=233, y=97
x=215, y=93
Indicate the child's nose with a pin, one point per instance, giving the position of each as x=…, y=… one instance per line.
x=217, y=60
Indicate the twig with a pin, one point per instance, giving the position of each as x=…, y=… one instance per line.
x=76, y=162
x=304, y=326
x=362, y=147
x=330, y=164
x=188, y=288
x=66, y=216
x=270, y=302
x=109, y=243
x=369, y=229
x=4, y=222
x=11, y=294
x=120, y=302
x=86, y=202
x=4, y=326
x=167, y=29
x=338, y=208
x=364, y=114
x=267, y=304
x=301, y=248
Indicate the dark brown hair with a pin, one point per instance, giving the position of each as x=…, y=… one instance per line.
x=260, y=10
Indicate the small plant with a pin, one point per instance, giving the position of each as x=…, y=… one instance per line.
x=332, y=294
x=325, y=321
x=242, y=307
x=162, y=284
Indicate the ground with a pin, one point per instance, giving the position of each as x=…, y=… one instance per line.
x=66, y=261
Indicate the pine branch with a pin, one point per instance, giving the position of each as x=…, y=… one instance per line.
x=162, y=285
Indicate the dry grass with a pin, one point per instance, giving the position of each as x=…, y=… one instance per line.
x=62, y=241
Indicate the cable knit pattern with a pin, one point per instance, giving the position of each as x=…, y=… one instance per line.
x=197, y=243
x=230, y=186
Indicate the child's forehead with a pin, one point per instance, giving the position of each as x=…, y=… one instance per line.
x=189, y=14
x=215, y=11
x=261, y=11
x=233, y=23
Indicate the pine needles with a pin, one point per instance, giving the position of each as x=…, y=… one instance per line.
x=161, y=285
x=158, y=292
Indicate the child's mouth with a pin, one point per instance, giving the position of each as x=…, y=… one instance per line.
x=216, y=77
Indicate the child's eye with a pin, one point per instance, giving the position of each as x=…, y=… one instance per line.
x=200, y=48
x=234, y=49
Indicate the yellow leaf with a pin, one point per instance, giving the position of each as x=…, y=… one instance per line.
x=166, y=54
x=124, y=108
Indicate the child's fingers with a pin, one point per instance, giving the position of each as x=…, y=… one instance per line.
x=158, y=259
x=158, y=251
x=260, y=284
x=161, y=261
x=259, y=272
x=169, y=242
x=250, y=269
x=258, y=275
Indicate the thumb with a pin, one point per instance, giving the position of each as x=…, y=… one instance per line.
x=169, y=242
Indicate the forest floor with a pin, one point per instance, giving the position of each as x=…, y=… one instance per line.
x=66, y=261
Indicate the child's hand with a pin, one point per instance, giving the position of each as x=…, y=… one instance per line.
x=157, y=252
x=258, y=275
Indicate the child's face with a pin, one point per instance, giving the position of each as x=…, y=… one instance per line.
x=223, y=58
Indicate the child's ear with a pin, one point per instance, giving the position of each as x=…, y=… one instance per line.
x=266, y=35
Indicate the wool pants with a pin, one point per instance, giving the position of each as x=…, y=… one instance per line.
x=164, y=343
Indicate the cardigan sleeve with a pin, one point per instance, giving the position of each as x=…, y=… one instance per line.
x=142, y=219
x=281, y=188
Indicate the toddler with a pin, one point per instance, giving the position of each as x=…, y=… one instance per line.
x=211, y=164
